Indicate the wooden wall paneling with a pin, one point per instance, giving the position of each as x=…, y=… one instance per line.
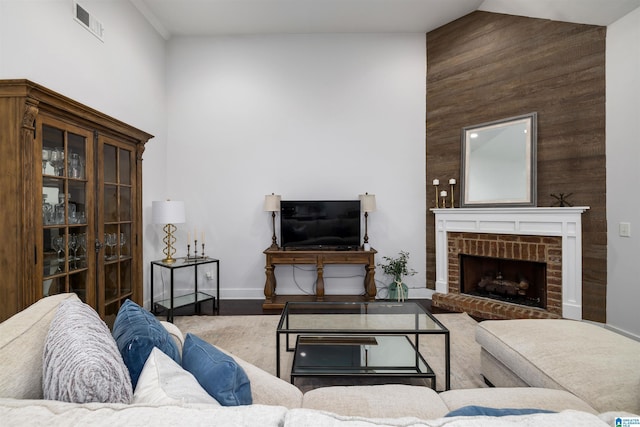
x=487, y=66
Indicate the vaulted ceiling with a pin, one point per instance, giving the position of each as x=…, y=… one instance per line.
x=227, y=17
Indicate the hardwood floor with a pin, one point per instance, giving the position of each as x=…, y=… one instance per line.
x=254, y=307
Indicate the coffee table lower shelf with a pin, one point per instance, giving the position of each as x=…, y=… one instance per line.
x=393, y=358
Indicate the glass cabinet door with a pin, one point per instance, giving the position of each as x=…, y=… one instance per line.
x=116, y=211
x=67, y=257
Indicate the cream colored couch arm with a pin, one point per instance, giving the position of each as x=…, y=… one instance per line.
x=22, y=339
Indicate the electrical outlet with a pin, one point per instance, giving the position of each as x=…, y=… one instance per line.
x=209, y=275
x=624, y=229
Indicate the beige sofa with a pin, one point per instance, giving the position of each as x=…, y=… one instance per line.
x=598, y=365
x=275, y=402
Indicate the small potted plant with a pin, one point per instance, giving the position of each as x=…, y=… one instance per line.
x=397, y=268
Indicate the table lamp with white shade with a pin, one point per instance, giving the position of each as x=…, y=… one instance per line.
x=367, y=204
x=272, y=204
x=168, y=212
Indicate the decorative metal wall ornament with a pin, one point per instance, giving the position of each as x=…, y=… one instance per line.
x=561, y=199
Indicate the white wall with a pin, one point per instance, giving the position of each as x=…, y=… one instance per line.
x=623, y=173
x=123, y=77
x=306, y=117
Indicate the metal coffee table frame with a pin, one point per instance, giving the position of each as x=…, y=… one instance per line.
x=367, y=319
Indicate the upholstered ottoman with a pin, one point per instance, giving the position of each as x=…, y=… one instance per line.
x=598, y=365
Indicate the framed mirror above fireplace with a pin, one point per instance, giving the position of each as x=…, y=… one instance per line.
x=498, y=164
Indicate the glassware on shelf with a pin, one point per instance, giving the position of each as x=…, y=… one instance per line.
x=57, y=161
x=123, y=240
x=110, y=240
x=113, y=242
x=82, y=242
x=106, y=244
x=57, y=243
x=47, y=211
x=75, y=166
x=73, y=245
x=72, y=210
x=46, y=157
x=59, y=210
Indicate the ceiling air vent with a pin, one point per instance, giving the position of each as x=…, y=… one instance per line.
x=84, y=18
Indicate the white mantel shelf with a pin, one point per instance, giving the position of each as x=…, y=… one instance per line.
x=565, y=222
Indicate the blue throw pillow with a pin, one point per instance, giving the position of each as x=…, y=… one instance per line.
x=136, y=332
x=472, y=411
x=216, y=372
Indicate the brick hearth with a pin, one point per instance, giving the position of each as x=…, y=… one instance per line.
x=547, y=249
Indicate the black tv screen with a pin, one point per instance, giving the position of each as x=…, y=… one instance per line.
x=320, y=224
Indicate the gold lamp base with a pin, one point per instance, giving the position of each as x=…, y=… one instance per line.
x=169, y=240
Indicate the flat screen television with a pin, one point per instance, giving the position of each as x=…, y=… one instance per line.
x=317, y=224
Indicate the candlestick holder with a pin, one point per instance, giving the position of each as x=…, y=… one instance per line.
x=437, y=197
x=452, y=199
x=195, y=257
x=444, y=201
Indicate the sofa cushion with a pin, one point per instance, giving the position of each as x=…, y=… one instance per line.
x=21, y=344
x=137, y=332
x=307, y=417
x=81, y=362
x=389, y=400
x=216, y=372
x=597, y=365
x=163, y=381
x=516, y=398
x=21, y=413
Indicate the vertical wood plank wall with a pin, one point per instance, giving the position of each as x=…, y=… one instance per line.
x=487, y=66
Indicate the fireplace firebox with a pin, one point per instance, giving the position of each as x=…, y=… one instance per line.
x=508, y=280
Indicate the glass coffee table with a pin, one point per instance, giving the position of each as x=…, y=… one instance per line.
x=359, y=339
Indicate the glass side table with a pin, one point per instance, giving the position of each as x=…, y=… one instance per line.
x=196, y=297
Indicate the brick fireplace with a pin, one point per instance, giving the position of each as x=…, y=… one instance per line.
x=550, y=237
x=546, y=250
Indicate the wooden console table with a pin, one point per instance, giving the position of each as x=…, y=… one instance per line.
x=319, y=258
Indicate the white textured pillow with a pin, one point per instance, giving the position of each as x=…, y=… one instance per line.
x=163, y=381
x=81, y=361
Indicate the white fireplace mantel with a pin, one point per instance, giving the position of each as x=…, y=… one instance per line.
x=565, y=222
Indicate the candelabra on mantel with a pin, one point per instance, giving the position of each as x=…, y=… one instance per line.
x=441, y=196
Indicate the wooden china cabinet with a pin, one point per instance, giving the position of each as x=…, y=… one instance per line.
x=71, y=188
